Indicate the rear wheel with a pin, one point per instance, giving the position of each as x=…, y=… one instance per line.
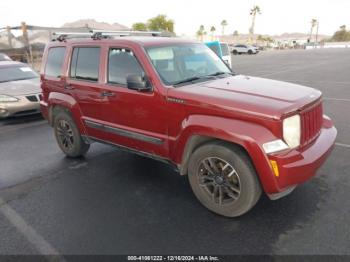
x=234, y=52
x=223, y=179
x=68, y=136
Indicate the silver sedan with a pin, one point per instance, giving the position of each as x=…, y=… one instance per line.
x=19, y=90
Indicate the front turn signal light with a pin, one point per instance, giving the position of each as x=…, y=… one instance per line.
x=275, y=168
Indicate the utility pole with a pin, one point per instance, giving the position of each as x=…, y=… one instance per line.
x=26, y=41
x=9, y=36
x=318, y=24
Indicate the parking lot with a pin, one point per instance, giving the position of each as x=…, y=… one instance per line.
x=113, y=202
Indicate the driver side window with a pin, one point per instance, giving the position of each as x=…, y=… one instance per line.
x=121, y=63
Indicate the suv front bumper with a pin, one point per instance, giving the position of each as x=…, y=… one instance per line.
x=299, y=165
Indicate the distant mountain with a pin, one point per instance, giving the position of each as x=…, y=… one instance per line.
x=93, y=24
x=297, y=36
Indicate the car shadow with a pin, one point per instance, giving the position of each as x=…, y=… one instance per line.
x=20, y=120
x=147, y=202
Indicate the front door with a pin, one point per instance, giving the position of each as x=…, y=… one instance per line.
x=137, y=119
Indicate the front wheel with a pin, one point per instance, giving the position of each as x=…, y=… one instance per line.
x=250, y=52
x=223, y=179
x=68, y=136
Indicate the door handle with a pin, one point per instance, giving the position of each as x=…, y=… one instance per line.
x=107, y=94
x=68, y=87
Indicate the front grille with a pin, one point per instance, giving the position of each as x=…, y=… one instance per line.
x=33, y=98
x=311, y=123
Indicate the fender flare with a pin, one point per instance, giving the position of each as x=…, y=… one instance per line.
x=248, y=135
x=68, y=103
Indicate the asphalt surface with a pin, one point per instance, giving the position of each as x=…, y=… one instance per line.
x=113, y=202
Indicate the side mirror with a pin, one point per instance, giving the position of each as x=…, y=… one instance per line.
x=138, y=82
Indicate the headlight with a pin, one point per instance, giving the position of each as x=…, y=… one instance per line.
x=291, y=131
x=5, y=98
x=274, y=146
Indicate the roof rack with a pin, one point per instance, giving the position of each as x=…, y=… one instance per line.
x=103, y=34
x=62, y=36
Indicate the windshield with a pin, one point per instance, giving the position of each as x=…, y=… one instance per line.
x=179, y=63
x=16, y=73
x=225, y=50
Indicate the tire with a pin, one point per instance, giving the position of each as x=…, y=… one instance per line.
x=238, y=189
x=250, y=52
x=68, y=137
x=234, y=52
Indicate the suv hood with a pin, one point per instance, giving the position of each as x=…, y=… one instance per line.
x=253, y=95
x=20, y=87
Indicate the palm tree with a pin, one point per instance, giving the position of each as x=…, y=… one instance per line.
x=201, y=32
x=343, y=28
x=253, y=12
x=313, y=24
x=212, y=30
x=223, y=24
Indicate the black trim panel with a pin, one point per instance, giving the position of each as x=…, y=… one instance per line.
x=90, y=139
x=125, y=133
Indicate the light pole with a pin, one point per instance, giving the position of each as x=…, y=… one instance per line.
x=317, y=26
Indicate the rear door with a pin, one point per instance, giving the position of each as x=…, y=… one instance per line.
x=84, y=84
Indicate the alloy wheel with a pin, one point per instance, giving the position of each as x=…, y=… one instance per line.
x=65, y=134
x=219, y=180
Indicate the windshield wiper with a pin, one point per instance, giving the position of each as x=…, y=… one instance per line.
x=190, y=79
x=220, y=73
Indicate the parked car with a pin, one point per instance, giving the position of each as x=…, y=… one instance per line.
x=222, y=50
x=4, y=57
x=244, y=49
x=19, y=89
x=176, y=101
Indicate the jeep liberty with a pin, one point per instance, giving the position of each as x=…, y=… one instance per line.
x=175, y=100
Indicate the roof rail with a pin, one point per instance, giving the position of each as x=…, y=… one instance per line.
x=102, y=34
x=62, y=36
x=98, y=34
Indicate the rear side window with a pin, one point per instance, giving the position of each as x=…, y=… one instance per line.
x=54, y=62
x=224, y=49
x=215, y=48
x=85, y=63
x=121, y=63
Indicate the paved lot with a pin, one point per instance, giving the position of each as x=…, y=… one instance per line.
x=113, y=202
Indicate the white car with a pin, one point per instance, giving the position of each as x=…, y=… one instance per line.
x=244, y=49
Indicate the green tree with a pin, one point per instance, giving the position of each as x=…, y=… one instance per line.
x=342, y=35
x=212, y=30
x=253, y=12
x=161, y=23
x=235, y=33
x=139, y=26
x=223, y=25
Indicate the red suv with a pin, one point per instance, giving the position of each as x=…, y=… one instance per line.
x=177, y=101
